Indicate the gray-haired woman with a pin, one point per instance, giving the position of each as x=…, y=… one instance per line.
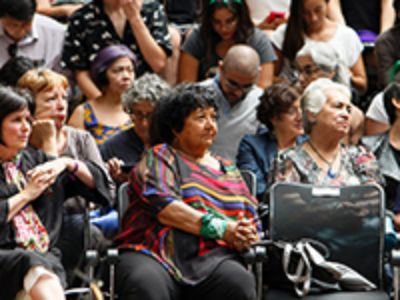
x=323, y=159
x=323, y=61
x=126, y=147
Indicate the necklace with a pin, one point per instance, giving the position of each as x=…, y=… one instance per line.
x=330, y=172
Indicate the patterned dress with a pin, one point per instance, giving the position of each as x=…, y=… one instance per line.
x=164, y=176
x=357, y=166
x=99, y=131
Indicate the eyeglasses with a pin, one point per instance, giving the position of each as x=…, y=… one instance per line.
x=140, y=116
x=12, y=49
x=233, y=85
x=308, y=70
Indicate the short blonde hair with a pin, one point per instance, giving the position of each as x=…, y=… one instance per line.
x=37, y=80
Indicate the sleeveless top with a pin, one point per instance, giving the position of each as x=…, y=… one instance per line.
x=99, y=131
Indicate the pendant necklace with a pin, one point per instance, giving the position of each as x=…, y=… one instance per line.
x=330, y=172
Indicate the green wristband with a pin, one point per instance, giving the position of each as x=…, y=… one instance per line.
x=212, y=227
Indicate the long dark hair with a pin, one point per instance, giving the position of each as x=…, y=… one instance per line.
x=295, y=30
x=239, y=8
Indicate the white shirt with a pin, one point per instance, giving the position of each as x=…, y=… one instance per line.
x=260, y=9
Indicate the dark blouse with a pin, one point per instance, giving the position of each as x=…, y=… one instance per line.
x=90, y=30
x=49, y=206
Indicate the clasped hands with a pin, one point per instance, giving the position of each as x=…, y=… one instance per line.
x=241, y=234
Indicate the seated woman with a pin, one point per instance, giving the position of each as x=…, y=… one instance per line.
x=308, y=24
x=223, y=24
x=190, y=213
x=113, y=72
x=49, y=90
x=386, y=147
x=32, y=190
x=126, y=147
x=323, y=61
x=280, y=111
x=323, y=159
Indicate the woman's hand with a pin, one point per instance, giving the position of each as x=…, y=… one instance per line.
x=114, y=168
x=38, y=182
x=241, y=234
x=44, y=136
x=131, y=8
x=49, y=171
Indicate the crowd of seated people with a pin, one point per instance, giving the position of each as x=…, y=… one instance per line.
x=273, y=88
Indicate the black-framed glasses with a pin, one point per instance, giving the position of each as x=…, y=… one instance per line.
x=12, y=49
x=140, y=116
x=233, y=85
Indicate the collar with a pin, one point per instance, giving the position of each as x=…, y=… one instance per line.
x=31, y=37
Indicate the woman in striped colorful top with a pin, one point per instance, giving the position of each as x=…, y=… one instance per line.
x=191, y=213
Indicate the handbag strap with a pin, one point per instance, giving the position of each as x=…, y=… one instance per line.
x=301, y=278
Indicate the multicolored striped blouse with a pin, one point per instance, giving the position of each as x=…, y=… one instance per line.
x=164, y=176
x=100, y=132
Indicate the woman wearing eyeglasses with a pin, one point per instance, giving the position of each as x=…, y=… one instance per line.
x=113, y=72
x=126, y=147
x=308, y=23
x=224, y=23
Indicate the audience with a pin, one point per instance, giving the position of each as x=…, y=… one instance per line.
x=309, y=24
x=33, y=188
x=323, y=61
x=223, y=24
x=126, y=147
x=25, y=33
x=113, y=71
x=237, y=96
x=190, y=212
x=280, y=112
x=13, y=69
x=140, y=25
x=323, y=159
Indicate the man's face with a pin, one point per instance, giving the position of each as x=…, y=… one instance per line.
x=236, y=85
x=16, y=29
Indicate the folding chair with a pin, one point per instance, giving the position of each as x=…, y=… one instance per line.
x=349, y=221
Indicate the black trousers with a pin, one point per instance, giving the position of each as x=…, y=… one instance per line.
x=141, y=277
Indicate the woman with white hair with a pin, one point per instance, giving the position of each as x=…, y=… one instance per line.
x=323, y=159
x=323, y=61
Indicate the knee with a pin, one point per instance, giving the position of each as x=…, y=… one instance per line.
x=243, y=286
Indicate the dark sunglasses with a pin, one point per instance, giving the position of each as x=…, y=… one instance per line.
x=233, y=85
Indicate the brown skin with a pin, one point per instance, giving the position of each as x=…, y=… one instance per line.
x=193, y=141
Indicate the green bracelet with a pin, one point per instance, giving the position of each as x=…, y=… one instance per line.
x=213, y=227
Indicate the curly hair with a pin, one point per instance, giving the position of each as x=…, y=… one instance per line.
x=149, y=88
x=172, y=110
x=275, y=101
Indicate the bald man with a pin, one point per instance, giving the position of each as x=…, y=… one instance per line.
x=238, y=97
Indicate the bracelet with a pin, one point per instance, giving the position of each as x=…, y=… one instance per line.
x=76, y=168
x=213, y=227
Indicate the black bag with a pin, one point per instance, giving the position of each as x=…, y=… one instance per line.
x=301, y=268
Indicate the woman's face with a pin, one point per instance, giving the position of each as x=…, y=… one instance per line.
x=140, y=114
x=309, y=71
x=120, y=74
x=199, y=131
x=335, y=114
x=224, y=23
x=315, y=12
x=15, y=129
x=290, y=123
x=52, y=104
